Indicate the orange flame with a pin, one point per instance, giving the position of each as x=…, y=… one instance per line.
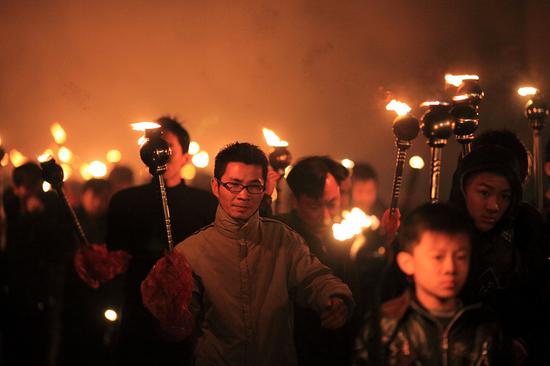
x=142, y=126
x=398, y=107
x=353, y=224
x=272, y=139
x=525, y=91
x=17, y=158
x=456, y=80
x=58, y=133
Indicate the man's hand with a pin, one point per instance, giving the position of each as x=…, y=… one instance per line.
x=272, y=178
x=335, y=315
x=390, y=225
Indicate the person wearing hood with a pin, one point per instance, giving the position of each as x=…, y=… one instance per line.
x=508, y=262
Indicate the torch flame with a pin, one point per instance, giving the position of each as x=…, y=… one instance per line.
x=416, y=162
x=200, y=160
x=461, y=97
x=354, y=222
x=194, y=148
x=16, y=158
x=64, y=154
x=58, y=133
x=113, y=156
x=430, y=103
x=141, y=141
x=45, y=156
x=272, y=139
x=456, y=80
x=67, y=171
x=398, y=107
x=142, y=126
x=525, y=91
x=348, y=163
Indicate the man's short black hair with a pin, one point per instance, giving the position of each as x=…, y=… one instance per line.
x=28, y=175
x=364, y=171
x=97, y=185
x=436, y=217
x=508, y=140
x=308, y=176
x=240, y=152
x=171, y=124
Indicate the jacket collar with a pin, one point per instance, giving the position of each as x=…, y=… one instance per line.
x=236, y=229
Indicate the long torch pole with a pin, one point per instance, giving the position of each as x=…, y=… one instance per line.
x=435, y=173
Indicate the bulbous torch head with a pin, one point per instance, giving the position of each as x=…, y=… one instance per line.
x=52, y=173
x=406, y=127
x=437, y=124
x=280, y=158
x=472, y=90
x=536, y=111
x=155, y=152
x=466, y=122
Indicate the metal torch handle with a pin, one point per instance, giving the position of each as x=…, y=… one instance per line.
x=166, y=212
x=435, y=173
x=76, y=223
x=537, y=169
x=397, y=179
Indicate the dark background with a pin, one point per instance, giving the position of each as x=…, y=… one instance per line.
x=315, y=71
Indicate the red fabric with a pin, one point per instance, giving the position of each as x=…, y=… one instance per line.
x=95, y=264
x=166, y=293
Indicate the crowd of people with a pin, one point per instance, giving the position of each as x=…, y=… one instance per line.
x=461, y=282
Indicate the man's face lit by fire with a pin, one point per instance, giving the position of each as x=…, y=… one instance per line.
x=242, y=205
x=363, y=193
x=317, y=214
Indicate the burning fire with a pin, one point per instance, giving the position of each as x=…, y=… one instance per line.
x=456, y=80
x=64, y=154
x=272, y=139
x=194, y=148
x=348, y=163
x=354, y=222
x=45, y=156
x=200, y=160
x=67, y=171
x=416, y=162
x=113, y=156
x=460, y=98
x=96, y=169
x=430, y=103
x=58, y=133
x=16, y=158
x=398, y=107
x=142, y=126
x=525, y=91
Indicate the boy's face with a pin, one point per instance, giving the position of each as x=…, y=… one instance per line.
x=363, y=193
x=439, y=264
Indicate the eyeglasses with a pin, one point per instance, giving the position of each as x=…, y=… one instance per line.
x=237, y=187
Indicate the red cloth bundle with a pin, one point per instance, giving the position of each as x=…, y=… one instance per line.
x=95, y=264
x=166, y=292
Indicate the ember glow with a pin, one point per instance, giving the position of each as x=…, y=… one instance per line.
x=58, y=133
x=142, y=126
x=194, y=148
x=65, y=155
x=416, y=162
x=17, y=158
x=354, y=222
x=348, y=163
x=113, y=156
x=398, y=107
x=200, y=160
x=45, y=156
x=525, y=91
x=272, y=139
x=456, y=80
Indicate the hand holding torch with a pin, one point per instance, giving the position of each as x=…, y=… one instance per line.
x=279, y=158
x=437, y=125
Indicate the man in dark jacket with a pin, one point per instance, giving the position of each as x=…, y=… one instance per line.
x=135, y=224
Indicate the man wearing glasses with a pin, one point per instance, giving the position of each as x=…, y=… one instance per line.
x=249, y=271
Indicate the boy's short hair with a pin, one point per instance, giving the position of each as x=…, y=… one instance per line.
x=240, y=152
x=97, y=186
x=436, y=217
x=171, y=124
x=308, y=176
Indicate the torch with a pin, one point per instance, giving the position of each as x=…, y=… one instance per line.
x=93, y=262
x=405, y=129
x=155, y=153
x=437, y=125
x=536, y=111
x=279, y=157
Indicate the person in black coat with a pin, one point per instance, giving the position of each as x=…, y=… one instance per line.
x=135, y=223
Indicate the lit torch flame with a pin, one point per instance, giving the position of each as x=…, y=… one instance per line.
x=398, y=107
x=461, y=97
x=113, y=156
x=142, y=126
x=525, y=91
x=354, y=222
x=58, y=133
x=45, y=156
x=16, y=158
x=456, y=80
x=348, y=163
x=194, y=148
x=64, y=154
x=272, y=139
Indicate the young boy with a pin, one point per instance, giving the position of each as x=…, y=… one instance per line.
x=429, y=325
